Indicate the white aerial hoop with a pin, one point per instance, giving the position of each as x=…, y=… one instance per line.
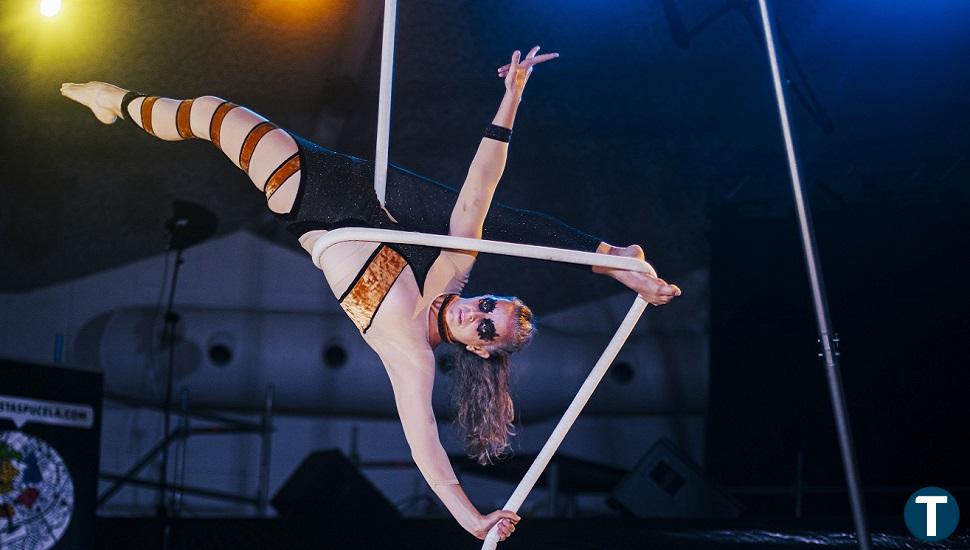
x=494, y=247
x=384, y=102
x=523, y=251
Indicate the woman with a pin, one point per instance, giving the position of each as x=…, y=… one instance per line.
x=403, y=299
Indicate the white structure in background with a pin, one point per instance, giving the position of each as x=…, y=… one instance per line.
x=278, y=316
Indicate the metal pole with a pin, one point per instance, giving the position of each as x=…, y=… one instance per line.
x=384, y=103
x=553, y=487
x=266, y=446
x=180, y=449
x=171, y=326
x=821, y=306
x=132, y=472
x=198, y=491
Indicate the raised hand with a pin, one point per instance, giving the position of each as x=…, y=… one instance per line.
x=517, y=72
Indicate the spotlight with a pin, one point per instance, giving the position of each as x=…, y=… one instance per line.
x=50, y=8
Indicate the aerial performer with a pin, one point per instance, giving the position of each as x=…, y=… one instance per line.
x=404, y=299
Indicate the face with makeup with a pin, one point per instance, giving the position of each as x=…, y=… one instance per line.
x=481, y=322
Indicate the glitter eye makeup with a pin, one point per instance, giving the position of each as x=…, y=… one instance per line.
x=486, y=330
x=486, y=305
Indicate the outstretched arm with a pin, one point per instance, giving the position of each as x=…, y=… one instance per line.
x=412, y=384
x=487, y=167
x=468, y=217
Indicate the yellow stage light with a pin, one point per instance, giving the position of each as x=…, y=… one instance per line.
x=50, y=8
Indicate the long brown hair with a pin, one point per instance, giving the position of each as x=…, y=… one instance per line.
x=480, y=390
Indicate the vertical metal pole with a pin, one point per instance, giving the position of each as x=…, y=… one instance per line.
x=553, y=487
x=59, y=347
x=384, y=103
x=180, y=450
x=266, y=446
x=821, y=306
x=171, y=326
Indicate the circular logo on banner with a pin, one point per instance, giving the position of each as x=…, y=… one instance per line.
x=36, y=493
x=931, y=514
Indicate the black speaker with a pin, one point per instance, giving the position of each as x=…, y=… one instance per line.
x=50, y=427
x=327, y=484
x=667, y=484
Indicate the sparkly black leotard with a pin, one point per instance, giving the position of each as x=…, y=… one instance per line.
x=337, y=190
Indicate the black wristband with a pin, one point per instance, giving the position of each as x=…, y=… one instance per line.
x=498, y=133
x=129, y=97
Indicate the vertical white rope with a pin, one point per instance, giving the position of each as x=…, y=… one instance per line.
x=585, y=392
x=384, y=103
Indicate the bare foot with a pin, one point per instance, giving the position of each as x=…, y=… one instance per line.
x=102, y=98
x=653, y=289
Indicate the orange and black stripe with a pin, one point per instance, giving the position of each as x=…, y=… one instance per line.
x=286, y=169
x=146, y=113
x=183, y=121
x=251, y=141
x=215, y=125
x=365, y=295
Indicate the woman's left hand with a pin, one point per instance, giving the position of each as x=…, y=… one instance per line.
x=504, y=519
x=516, y=73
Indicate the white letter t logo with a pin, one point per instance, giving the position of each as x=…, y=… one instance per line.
x=931, y=503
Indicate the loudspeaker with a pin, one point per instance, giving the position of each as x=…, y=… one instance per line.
x=327, y=484
x=666, y=484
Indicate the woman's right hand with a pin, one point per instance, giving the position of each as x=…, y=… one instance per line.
x=505, y=519
x=517, y=72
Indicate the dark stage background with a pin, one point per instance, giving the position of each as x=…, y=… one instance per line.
x=897, y=292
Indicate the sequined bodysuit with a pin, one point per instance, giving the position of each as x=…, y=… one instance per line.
x=337, y=190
